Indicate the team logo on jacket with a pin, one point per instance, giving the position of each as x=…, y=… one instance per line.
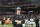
x=20, y=16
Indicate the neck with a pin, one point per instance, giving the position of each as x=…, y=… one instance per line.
x=18, y=13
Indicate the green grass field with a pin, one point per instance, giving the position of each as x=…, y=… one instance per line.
x=9, y=25
x=6, y=25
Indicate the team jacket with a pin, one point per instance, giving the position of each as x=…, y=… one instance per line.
x=18, y=17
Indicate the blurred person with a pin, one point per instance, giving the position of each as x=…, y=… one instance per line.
x=37, y=22
x=32, y=15
x=3, y=22
x=18, y=19
x=28, y=17
x=26, y=20
x=31, y=20
x=7, y=21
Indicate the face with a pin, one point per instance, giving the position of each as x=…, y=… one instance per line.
x=18, y=11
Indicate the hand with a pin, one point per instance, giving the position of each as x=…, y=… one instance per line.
x=19, y=22
x=16, y=20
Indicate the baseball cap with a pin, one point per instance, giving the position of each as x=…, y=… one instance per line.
x=18, y=8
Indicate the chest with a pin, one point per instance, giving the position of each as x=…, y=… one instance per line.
x=18, y=17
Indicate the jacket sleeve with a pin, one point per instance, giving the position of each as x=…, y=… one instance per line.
x=23, y=18
x=13, y=20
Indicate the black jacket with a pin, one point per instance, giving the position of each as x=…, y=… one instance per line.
x=18, y=17
x=37, y=21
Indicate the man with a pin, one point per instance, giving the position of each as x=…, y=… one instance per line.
x=37, y=22
x=18, y=19
x=3, y=21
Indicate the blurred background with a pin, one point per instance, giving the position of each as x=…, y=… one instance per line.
x=29, y=8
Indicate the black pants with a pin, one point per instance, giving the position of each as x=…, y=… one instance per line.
x=20, y=25
x=3, y=22
x=37, y=25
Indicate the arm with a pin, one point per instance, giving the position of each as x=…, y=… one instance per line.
x=13, y=20
x=23, y=20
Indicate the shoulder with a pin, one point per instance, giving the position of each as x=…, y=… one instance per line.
x=22, y=15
